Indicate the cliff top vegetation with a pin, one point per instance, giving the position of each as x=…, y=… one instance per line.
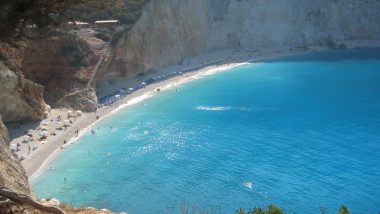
x=38, y=18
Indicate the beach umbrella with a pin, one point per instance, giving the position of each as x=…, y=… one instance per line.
x=79, y=113
x=45, y=123
x=13, y=147
x=67, y=121
x=30, y=130
x=143, y=83
x=42, y=134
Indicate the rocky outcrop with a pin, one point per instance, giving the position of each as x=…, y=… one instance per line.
x=62, y=64
x=171, y=30
x=12, y=174
x=20, y=98
x=84, y=100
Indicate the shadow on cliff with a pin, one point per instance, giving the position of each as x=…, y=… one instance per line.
x=372, y=53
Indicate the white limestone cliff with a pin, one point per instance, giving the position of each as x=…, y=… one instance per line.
x=171, y=30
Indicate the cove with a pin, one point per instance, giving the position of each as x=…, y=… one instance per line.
x=300, y=132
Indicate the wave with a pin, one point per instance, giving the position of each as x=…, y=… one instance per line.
x=212, y=108
x=221, y=108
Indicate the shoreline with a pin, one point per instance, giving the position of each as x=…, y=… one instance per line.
x=38, y=160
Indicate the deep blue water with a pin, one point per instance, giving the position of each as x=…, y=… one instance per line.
x=304, y=130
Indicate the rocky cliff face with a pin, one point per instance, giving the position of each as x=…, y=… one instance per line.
x=171, y=30
x=62, y=64
x=20, y=98
x=12, y=174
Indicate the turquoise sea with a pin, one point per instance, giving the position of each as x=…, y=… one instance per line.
x=301, y=132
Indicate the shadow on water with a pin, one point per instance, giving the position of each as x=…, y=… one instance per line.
x=369, y=53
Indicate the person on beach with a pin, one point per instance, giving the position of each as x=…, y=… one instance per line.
x=29, y=148
x=64, y=141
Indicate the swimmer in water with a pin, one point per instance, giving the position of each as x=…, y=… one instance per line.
x=64, y=179
x=247, y=184
x=92, y=131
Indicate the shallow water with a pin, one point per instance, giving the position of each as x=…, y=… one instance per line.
x=300, y=132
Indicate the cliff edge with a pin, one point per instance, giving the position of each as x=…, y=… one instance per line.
x=170, y=31
x=12, y=174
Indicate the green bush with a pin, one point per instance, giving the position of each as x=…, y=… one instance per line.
x=72, y=50
x=344, y=210
x=271, y=209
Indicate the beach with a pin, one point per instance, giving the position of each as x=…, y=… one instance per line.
x=43, y=152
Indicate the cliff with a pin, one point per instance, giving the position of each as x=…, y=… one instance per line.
x=172, y=30
x=63, y=64
x=20, y=98
x=12, y=174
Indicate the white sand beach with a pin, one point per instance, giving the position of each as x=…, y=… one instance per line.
x=38, y=154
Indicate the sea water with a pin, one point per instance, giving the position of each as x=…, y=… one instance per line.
x=301, y=132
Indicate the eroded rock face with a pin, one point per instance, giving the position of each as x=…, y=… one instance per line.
x=62, y=64
x=20, y=99
x=171, y=30
x=84, y=100
x=12, y=174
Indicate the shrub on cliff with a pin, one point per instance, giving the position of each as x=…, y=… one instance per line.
x=19, y=17
x=72, y=51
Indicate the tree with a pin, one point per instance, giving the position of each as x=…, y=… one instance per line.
x=18, y=18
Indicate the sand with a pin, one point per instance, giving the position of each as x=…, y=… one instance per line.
x=38, y=160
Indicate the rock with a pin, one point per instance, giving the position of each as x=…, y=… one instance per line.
x=63, y=64
x=83, y=100
x=12, y=174
x=52, y=202
x=20, y=98
x=171, y=30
